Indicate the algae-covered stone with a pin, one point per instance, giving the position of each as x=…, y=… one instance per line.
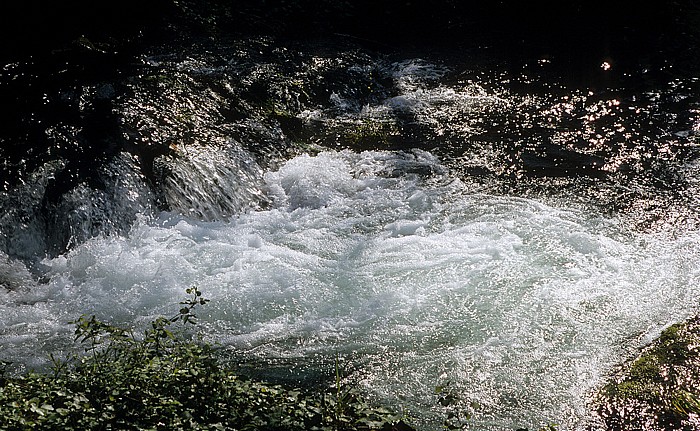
x=660, y=388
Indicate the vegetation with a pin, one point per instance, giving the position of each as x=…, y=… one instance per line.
x=659, y=389
x=165, y=380
x=371, y=134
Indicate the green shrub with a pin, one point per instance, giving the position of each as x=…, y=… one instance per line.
x=164, y=380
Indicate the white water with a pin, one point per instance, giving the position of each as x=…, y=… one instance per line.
x=387, y=260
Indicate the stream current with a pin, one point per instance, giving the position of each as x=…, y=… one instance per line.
x=510, y=270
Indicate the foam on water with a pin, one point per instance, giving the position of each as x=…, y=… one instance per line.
x=384, y=258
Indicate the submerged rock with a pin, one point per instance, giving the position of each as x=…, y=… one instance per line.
x=13, y=274
x=660, y=389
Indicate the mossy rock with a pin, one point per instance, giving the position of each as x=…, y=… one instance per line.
x=364, y=134
x=660, y=388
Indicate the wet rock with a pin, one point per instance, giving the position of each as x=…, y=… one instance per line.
x=659, y=389
x=13, y=274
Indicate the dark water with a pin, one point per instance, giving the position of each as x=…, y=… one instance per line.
x=469, y=127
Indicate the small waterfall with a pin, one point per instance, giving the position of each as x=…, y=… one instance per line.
x=48, y=214
x=211, y=182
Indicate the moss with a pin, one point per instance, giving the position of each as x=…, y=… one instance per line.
x=660, y=388
x=634, y=390
x=371, y=132
x=357, y=134
x=646, y=369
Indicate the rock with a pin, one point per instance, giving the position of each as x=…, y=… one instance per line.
x=660, y=388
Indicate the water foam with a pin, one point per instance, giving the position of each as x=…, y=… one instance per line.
x=385, y=259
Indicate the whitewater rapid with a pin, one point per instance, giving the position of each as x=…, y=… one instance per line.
x=389, y=262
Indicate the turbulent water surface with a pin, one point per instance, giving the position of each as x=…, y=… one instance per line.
x=504, y=238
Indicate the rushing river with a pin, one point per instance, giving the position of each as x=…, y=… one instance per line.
x=516, y=305
x=430, y=226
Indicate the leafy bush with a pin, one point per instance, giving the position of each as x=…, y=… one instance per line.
x=165, y=381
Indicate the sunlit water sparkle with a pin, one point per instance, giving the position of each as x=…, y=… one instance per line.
x=387, y=260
